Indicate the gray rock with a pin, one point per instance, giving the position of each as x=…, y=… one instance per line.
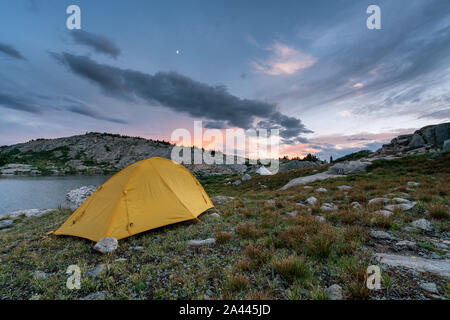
x=79, y=195
x=412, y=183
x=106, y=245
x=97, y=271
x=344, y=188
x=137, y=248
x=335, y=292
x=199, y=243
x=329, y=207
x=214, y=215
x=315, y=177
x=221, y=200
x=297, y=164
x=423, y=224
x=416, y=141
x=307, y=187
x=446, y=145
x=406, y=244
x=385, y=213
x=271, y=201
x=321, y=219
x=40, y=275
x=291, y=213
x=101, y=295
x=246, y=177
x=376, y=201
x=237, y=182
x=311, y=200
x=356, y=205
x=321, y=190
x=401, y=200
x=401, y=206
x=348, y=167
x=429, y=286
x=6, y=224
x=439, y=267
x=381, y=235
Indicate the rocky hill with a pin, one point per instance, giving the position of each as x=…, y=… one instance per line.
x=104, y=153
x=89, y=153
x=427, y=138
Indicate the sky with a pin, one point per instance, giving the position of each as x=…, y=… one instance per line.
x=311, y=69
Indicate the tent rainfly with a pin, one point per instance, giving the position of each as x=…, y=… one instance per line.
x=145, y=195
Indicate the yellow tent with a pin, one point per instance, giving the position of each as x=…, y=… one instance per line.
x=145, y=195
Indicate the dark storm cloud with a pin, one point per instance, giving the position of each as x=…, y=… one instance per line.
x=19, y=103
x=97, y=42
x=86, y=111
x=11, y=51
x=182, y=94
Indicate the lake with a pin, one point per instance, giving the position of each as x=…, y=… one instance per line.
x=20, y=192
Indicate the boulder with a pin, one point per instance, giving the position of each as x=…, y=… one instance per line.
x=97, y=271
x=429, y=287
x=376, y=201
x=40, y=275
x=6, y=223
x=348, y=167
x=106, y=245
x=329, y=207
x=101, y=295
x=423, y=224
x=406, y=244
x=345, y=188
x=385, y=213
x=291, y=213
x=321, y=219
x=321, y=190
x=311, y=200
x=439, y=267
x=446, y=145
x=335, y=292
x=237, y=182
x=221, y=200
x=401, y=206
x=416, y=141
x=297, y=164
x=381, y=235
x=246, y=177
x=199, y=243
x=412, y=184
x=356, y=205
x=79, y=195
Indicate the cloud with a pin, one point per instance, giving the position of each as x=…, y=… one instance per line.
x=18, y=103
x=182, y=94
x=283, y=60
x=439, y=114
x=10, y=51
x=97, y=42
x=82, y=109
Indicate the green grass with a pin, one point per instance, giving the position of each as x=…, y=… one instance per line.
x=261, y=253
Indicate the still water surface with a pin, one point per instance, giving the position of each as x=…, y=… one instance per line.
x=17, y=193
